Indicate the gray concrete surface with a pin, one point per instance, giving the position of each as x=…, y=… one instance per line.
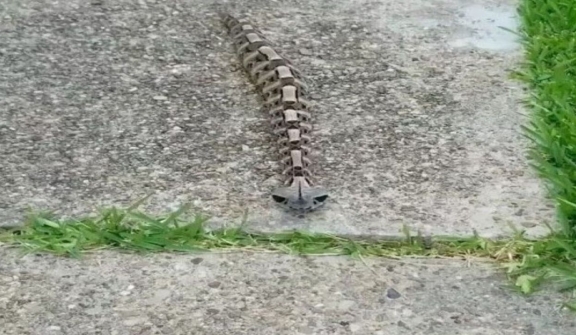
x=102, y=102
x=109, y=293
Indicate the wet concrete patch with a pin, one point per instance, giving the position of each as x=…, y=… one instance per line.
x=486, y=24
x=108, y=102
x=465, y=24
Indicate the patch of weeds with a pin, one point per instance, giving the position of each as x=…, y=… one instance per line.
x=133, y=230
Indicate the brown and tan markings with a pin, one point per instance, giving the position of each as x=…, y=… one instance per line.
x=284, y=94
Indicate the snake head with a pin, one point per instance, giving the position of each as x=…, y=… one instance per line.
x=299, y=198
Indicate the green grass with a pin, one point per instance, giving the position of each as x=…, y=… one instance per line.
x=548, y=32
x=548, y=29
x=129, y=229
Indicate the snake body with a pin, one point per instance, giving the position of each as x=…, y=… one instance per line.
x=284, y=93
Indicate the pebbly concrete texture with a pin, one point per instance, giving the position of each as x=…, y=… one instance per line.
x=110, y=293
x=103, y=102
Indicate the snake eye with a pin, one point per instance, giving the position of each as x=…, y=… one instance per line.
x=320, y=199
x=279, y=199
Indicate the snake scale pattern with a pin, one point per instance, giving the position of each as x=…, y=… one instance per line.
x=284, y=93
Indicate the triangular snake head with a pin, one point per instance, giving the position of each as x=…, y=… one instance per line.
x=300, y=196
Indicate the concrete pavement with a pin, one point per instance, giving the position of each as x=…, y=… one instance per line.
x=260, y=293
x=416, y=122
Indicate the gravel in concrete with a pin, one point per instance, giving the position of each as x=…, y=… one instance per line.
x=102, y=102
x=110, y=293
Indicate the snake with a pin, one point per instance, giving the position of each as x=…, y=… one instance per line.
x=284, y=94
